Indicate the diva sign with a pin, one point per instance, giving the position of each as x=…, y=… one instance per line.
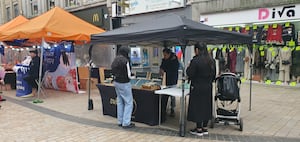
x=272, y=14
x=280, y=13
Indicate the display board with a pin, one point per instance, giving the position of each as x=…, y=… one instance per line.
x=60, y=68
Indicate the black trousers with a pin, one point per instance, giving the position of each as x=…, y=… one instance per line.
x=202, y=124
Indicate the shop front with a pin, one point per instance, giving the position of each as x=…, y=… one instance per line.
x=275, y=35
x=147, y=58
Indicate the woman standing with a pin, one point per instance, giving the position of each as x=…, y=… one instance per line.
x=122, y=75
x=201, y=72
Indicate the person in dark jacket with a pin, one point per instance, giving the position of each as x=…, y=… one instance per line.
x=122, y=75
x=33, y=73
x=170, y=66
x=201, y=72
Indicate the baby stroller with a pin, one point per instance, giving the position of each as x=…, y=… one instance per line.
x=227, y=100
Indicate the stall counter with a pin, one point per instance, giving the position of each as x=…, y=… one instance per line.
x=146, y=104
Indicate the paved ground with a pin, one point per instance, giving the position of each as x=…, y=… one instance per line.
x=275, y=116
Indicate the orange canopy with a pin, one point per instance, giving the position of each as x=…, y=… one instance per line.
x=54, y=25
x=13, y=23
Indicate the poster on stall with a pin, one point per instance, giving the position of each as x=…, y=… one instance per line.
x=22, y=87
x=59, y=68
x=135, y=56
x=145, y=57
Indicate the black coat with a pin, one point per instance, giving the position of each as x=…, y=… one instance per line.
x=33, y=73
x=201, y=73
x=34, y=67
x=170, y=66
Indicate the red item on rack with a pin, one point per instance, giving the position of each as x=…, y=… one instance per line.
x=275, y=34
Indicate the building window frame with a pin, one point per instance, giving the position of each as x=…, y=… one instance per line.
x=8, y=13
x=34, y=7
x=72, y=3
x=50, y=4
x=16, y=9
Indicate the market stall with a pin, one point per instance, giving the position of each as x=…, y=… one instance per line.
x=170, y=30
x=49, y=30
x=10, y=76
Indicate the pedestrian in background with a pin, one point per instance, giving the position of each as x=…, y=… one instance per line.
x=170, y=66
x=122, y=75
x=201, y=72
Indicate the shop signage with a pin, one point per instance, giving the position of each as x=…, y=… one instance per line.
x=261, y=15
x=284, y=12
x=95, y=16
x=144, y=6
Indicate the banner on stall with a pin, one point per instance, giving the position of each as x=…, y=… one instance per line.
x=59, y=67
x=22, y=87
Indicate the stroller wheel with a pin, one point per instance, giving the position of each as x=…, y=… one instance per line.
x=241, y=124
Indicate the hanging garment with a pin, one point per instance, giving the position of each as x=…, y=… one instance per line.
x=214, y=55
x=285, y=54
x=221, y=59
x=225, y=52
x=288, y=32
x=232, y=56
x=271, y=61
x=275, y=35
x=247, y=64
x=248, y=31
x=264, y=35
x=256, y=35
x=240, y=60
x=296, y=62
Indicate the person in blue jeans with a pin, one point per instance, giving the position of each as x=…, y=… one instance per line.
x=122, y=75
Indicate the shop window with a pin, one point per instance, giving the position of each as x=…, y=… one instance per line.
x=90, y=1
x=50, y=4
x=71, y=3
x=8, y=14
x=16, y=10
x=34, y=7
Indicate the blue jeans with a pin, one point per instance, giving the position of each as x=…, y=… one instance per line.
x=124, y=102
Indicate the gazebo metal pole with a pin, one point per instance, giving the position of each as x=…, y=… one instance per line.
x=41, y=67
x=90, y=101
x=182, y=100
x=251, y=73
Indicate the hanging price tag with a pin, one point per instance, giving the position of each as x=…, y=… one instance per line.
x=278, y=83
x=230, y=29
x=268, y=82
x=273, y=53
x=274, y=26
x=266, y=26
x=285, y=48
x=224, y=49
x=243, y=80
x=262, y=51
x=292, y=43
x=287, y=24
x=247, y=28
x=237, y=28
x=293, y=84
x=254, y=27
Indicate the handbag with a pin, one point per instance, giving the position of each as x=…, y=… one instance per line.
x=285, y=62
